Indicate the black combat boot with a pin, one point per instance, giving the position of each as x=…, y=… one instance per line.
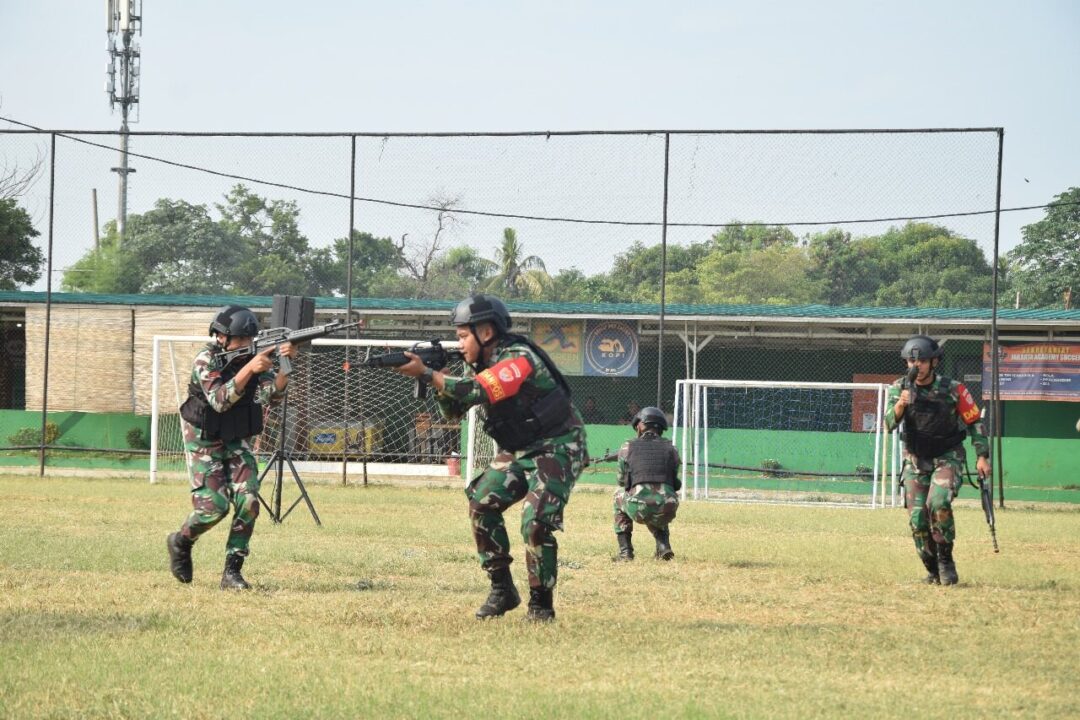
x=663, y=543
x=231, y=579
x=179, y=556
x=626, y=547
x=946, y=566
x=930, y=561
x=503, y=597
x=540, y=605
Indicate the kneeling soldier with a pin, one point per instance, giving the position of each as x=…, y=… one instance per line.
x=648, y=484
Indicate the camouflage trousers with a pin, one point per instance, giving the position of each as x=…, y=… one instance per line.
x=544, y=479
x=223, y=474
x=929, y=498
x=652, y=504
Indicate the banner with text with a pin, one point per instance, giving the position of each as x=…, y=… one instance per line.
x=1035, y=371
x=562, y=340
x=611, y=348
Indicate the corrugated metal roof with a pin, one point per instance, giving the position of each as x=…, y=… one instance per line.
x=552, y=308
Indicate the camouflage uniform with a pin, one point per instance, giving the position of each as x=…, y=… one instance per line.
x=652, y=504
x=543, y=473
x=931, y=488
x=223, y=472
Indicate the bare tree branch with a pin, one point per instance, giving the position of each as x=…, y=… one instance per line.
x=16, y=180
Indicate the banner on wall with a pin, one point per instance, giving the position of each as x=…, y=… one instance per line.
x=1035, y=371
x=562, y=340
x=611, y=348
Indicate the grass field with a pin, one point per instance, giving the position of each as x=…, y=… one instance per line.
x=767, y=611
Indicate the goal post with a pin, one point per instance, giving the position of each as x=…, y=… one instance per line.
x=338, y=411
x=785, y=442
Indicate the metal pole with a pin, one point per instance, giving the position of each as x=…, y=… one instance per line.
x=97, y=237
x=348, y=331
x=663, y=279
x=48, y=308
x=999, y=466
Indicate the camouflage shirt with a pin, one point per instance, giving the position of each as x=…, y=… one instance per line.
x=966, y=411
x=491, y=385
x=222, y=394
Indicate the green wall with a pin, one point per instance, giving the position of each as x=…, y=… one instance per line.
x=78, y=429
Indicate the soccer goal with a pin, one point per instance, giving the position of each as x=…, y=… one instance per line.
x=337, y=411
x=785, y=442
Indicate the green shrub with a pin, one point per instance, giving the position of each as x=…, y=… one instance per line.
x=32, y=436
x=137, y=440
x=772, y=468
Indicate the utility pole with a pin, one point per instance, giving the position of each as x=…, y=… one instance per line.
x=124, y=21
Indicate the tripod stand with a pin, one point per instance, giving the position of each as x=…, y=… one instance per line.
x=280, y=458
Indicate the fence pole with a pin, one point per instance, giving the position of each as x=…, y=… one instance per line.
x=663, y=280
x=996, y=382
x=48, y=307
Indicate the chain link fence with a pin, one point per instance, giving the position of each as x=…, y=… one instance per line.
x=732, y=255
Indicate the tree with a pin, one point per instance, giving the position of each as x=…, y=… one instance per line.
x=1046, y=264
x=635, y=276
x=275, y=256
x=773, y=274
x=256, y=248
x=20, y=259
x=848, y=270
x=419, y=257
x=174, y=248
x=376, y=262
x=926, y=265
x=458, y=272
x=517, y=274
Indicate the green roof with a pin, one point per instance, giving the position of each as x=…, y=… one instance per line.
x=553, y=308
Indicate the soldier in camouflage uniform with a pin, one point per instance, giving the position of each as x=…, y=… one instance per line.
x=938, y=413
x=224, y=409
x=648, y=484
x=540, y=454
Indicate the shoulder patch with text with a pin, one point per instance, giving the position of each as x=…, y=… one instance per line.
x=504, y=379
x=969, y=411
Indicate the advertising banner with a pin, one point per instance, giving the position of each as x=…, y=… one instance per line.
x=1035, y=371
x=611, y=348
x=562, y=340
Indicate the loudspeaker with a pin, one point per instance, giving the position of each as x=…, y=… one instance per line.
x=292, y=311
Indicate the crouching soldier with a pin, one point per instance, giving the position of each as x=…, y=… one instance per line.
x=223, y=411
x=648, y=485
x=540, y=440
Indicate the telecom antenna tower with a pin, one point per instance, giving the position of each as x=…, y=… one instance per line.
x=124, y=20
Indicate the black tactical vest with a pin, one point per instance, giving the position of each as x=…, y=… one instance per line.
x=242, y=420
x=931, y=425
x=532, y=414
x=651, y=460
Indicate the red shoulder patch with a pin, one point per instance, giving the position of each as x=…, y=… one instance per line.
x=504, y=379
x=965, y=405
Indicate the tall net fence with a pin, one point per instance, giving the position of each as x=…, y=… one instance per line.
x=772, y=251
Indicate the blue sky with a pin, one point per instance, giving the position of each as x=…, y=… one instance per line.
x=471, y=66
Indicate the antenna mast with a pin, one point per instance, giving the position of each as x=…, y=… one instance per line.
x=124, y=21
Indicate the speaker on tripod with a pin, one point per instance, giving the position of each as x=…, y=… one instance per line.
x=295, y=313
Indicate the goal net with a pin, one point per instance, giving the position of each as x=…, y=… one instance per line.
x=336, y=410
x=821, y=443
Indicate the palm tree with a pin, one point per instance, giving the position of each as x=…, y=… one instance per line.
x=517, y=275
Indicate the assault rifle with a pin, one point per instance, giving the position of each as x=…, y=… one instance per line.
x=432, y=354
x=986, y=497
x=276, y=337
x=609, y=456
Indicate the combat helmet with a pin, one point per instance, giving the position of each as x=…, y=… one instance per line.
x=921, y=347
x=235, y=320
x=479, y=308
x=650, y=416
